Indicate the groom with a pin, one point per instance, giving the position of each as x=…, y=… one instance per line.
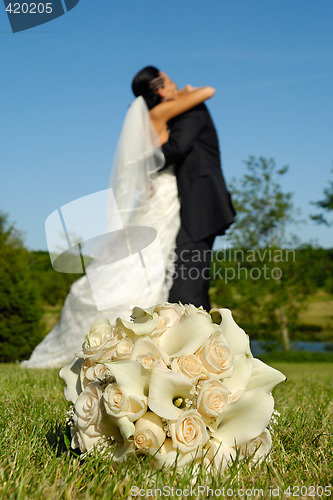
x=206, y=207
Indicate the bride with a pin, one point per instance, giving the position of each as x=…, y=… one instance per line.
x=148, y=216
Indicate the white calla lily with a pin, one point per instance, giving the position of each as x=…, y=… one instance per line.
x=238, y=340
x=238, y=381
x=245, y=419
x=166, y=456
x=126, y=428
x=109, y=427
x=187, y=336
x=70, y=374
x=143, y=325
x=131, y=376
x=123, y=451
x=167, y=393
x=145, y=346
x=264, y=376
x=139, y=314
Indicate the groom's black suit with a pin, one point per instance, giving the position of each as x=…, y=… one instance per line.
x=206, y=207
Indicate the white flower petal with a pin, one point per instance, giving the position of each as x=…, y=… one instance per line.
x=171, y=312
x=138, y=313
x=122, y=451
x=237, y=338
x=109, y=427
x=259, y=447
x=164, y=387
x=246, y=418
x=126, y=428
x=131, y=376
x=264, y=376
x=146, y=345
x=153, y=424
x=187, y=336
x=220, y=456
x=166, y=456
x=237, y=383
x=189, y=432
x=143, y=326
x=70, y=374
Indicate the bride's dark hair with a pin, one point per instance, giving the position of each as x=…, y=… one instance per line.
x=141, y=85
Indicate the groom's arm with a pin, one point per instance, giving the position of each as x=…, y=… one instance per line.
x=184, y=131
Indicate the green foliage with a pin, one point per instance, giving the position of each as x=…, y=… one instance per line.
x=262, y=208
x=326, y=205
x=258, y=287
x=54, y=286
x=246, y=282
x=36, y=464
x=20, y=305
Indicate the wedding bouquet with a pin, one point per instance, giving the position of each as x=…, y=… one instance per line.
x=175, y=382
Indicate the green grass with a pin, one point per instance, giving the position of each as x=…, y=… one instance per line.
x=34, y=462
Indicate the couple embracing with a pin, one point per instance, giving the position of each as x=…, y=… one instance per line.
x=182, y=195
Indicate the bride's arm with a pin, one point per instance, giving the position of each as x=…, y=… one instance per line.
x=185, y=100
x=185, y=90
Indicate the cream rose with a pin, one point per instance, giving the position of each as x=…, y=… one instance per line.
x=258, y=447
x=149, y=355
x=189, y=432
x=87, y=409
x=119, y=404
x=92, y=371
x=87, y=416
x=85, y=440
x=220, y=456
x=189, y=365
x=191, y=309
x=149, y=432
x=100, y=341
x=149, y=360
x=216, y=356
x=212, y=398
x=172, y=312
x=122, y=350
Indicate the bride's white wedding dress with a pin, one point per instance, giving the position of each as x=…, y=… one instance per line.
x=146, y=198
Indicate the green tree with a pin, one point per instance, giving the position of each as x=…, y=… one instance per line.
x=263, y=212
x=20, y=305
x=263, y=209
x=326, y=205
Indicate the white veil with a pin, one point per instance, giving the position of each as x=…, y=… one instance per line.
x=145, y=201
x=128, y=256
x=138, y=158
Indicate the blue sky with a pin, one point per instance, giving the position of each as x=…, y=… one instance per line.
x=65, y=88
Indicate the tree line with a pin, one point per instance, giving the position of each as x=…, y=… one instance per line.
x=258, y=275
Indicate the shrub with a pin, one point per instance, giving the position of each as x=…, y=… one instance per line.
x=20, y=305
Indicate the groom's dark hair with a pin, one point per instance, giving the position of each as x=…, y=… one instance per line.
x=141, y=85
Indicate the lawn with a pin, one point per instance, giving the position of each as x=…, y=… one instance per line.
x=34, y=462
